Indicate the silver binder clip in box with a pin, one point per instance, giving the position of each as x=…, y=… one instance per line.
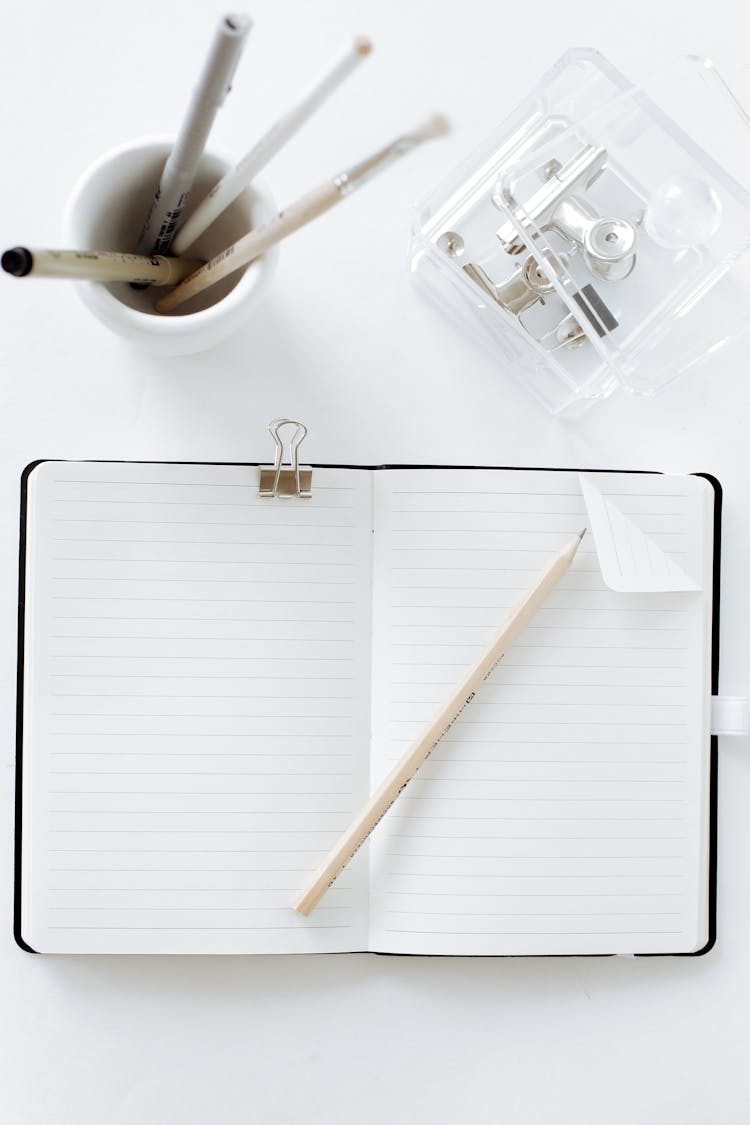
x=286, y=478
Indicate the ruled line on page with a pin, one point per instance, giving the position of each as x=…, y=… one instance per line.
x=161, y=502
x=574, y=876
x=198, y=754
x=187, y=676
x=184, y=734
x=179, y=870
x=271, y=581
x=516, y=855
x=172, y=541
x=303, y=850
x=212, y=929
x=534, y=933
x=202, y=601
x=194, y=715
x=215, y=695
x=230, y=890
x=195, y=523
x=491, y=837
x=123, y=482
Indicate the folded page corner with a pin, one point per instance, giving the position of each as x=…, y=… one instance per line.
x=630, y=560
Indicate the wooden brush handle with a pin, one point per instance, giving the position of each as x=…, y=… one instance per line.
x=252, y=245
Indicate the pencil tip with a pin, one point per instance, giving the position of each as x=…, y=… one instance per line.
x=362, y=45
x=582, y=533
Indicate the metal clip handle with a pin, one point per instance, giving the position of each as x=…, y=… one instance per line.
x=562, y=180
x=608, y=243
x=286, y=479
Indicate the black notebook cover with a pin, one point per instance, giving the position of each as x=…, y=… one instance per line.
x=713, y=780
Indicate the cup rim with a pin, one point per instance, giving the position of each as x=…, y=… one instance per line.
x=107, y=306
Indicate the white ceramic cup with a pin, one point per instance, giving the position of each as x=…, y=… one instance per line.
x=106, y=211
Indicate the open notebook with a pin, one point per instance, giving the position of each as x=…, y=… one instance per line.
x=213, y=681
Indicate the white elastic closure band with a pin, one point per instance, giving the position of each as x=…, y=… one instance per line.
x=730, y=714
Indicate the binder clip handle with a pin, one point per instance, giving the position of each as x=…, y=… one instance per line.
x=286, y=479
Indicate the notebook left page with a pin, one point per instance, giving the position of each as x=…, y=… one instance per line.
x=195, y=708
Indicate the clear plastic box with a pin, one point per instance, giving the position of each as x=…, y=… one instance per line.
x=593, y=242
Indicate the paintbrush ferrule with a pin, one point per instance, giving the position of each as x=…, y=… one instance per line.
x=360, y=173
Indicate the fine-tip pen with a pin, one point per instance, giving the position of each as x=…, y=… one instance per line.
x=97, y=265
x=232, y=183
x=179, y=171
x=302, y=211
x=405, y=769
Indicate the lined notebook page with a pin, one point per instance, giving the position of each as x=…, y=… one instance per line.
x=566, y=809
x=196, y=709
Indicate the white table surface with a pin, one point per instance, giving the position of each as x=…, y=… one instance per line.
x=345, y=343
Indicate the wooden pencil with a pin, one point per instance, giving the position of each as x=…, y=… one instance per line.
x=405, y=769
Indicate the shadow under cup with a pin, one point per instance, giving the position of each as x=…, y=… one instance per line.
x=107, y=210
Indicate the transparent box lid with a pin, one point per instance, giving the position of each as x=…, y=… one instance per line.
x=593, y=241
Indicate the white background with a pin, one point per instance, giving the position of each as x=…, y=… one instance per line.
x=346, y=344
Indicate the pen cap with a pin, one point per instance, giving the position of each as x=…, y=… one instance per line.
x=106, y=207
x=226, y=54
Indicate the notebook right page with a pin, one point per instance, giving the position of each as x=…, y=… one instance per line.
x=566, y=810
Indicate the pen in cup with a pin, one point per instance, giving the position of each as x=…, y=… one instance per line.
x=97, y=265
x=182, y=163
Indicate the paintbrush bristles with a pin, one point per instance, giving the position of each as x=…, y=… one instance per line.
x=435, y=126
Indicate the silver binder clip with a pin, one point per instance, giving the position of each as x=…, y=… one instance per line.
x=530, y=287
x=286, y=479
x=608, y=243
x=520, y=291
